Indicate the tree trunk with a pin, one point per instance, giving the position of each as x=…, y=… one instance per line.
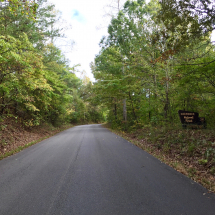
x=166, y=107
x=149, y=105
x=133, y=108
x=124, y=110
x=115, y=111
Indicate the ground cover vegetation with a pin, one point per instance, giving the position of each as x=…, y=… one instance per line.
x=158, y=58
x=37, y=83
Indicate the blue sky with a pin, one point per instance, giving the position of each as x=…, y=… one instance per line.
x=76, y=15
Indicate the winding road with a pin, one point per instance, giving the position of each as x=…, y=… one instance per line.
x=88, y=170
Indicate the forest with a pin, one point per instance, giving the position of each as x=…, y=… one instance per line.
x=37, y=83
x=158, y=58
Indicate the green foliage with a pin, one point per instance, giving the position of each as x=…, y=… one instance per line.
x=203, y=161
x=159, y=61
x=197, y=14
x=28, y=9
x=36, y=82
x=157, y=57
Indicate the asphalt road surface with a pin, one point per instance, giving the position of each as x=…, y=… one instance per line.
x=87, y=170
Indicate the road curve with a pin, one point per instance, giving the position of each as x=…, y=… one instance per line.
x=87, y=170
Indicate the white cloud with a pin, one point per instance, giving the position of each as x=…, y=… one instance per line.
x=84, y=16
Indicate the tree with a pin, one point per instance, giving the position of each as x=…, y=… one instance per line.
x=183, y=11
x=36, y=82
x=160, y=73
x=185, y=21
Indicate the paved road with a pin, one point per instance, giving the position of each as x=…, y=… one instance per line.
x=89, y=170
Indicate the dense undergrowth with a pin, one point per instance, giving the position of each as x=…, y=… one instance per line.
x=189, y=151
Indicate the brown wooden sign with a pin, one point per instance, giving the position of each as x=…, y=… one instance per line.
x=188, y=117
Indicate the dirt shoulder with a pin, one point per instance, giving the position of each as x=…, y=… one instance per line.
x=189, y=151
x=14, y=137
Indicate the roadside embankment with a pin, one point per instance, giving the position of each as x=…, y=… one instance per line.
x=189, y=151
x=14, y=136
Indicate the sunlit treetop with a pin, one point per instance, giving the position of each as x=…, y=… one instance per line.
x=27, y=8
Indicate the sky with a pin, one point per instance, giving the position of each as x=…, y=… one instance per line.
x=88, y=25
